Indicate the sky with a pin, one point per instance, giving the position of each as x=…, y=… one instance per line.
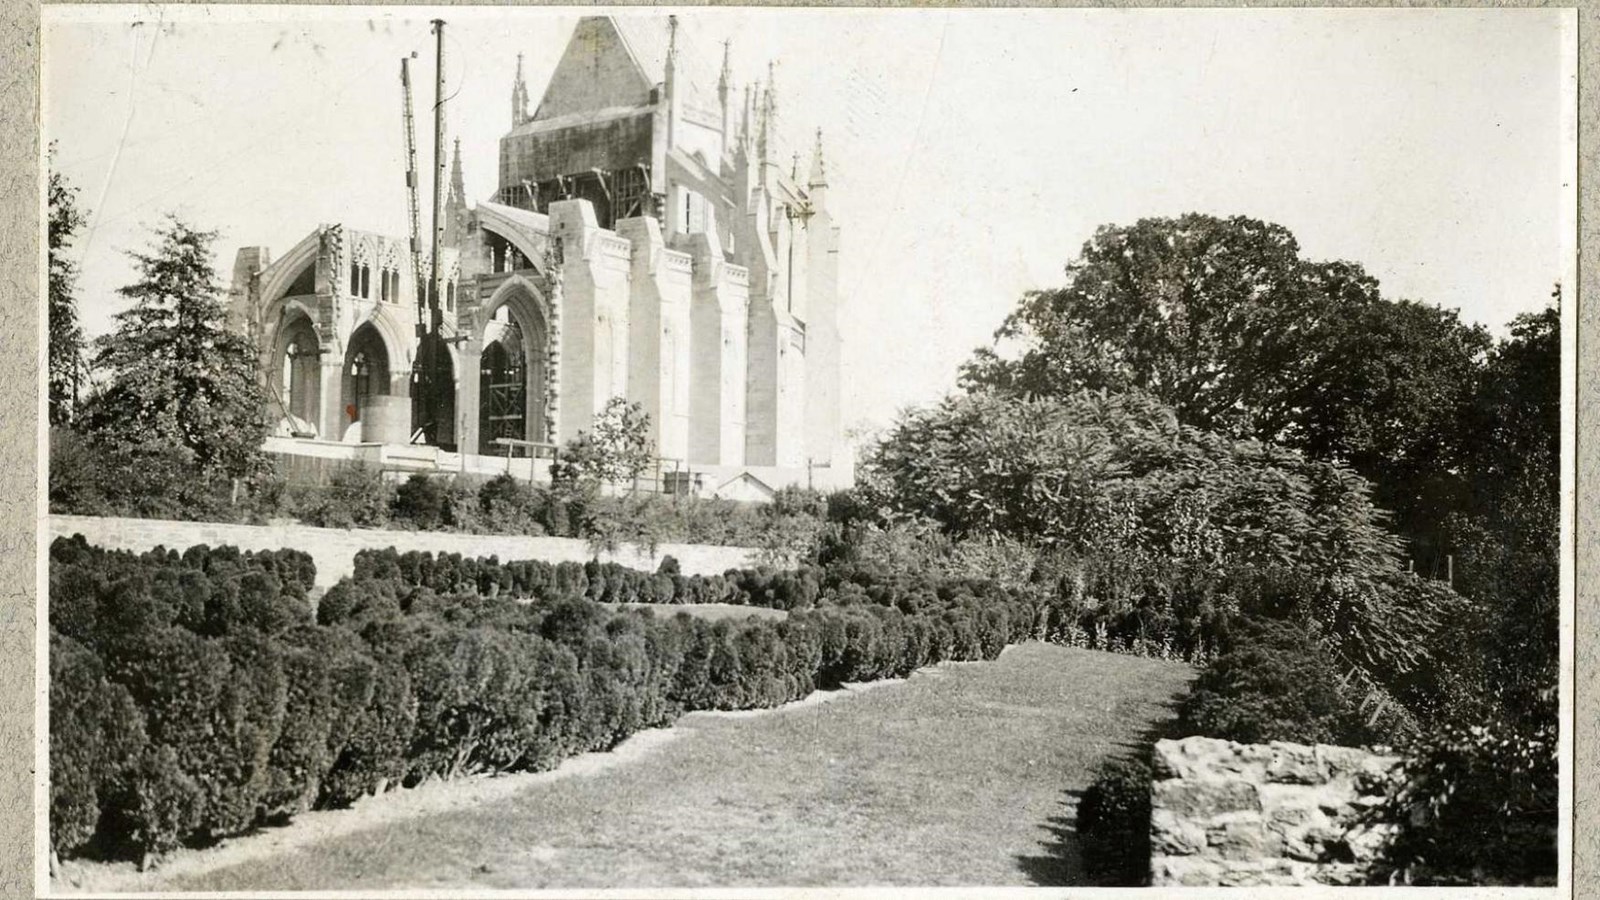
x=970, y=152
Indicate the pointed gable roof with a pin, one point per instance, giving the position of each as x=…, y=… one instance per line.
x=615, y=61
x=598, y=70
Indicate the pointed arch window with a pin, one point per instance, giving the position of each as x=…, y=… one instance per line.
x=360, y=385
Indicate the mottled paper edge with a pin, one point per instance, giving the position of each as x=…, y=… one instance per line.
x=21, y=481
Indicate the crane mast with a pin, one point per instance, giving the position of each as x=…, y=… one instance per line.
x=431, y=373
x=412, y=205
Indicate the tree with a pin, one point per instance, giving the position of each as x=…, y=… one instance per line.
x=1226, y=322
x=1507, y=539
x=66, y=350
x=181, y=385
x=616, y=449
x=1170, y=527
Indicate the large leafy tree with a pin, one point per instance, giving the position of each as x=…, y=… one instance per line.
x=1507, y=539
x=181, y=386
x=1224, y=320
x=66, y=349
x=1156, y=508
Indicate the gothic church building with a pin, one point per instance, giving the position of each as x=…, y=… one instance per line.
x=645, y=241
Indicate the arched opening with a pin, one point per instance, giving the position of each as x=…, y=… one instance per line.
x=504, y=257
x=433, y=394
x=503, y=391
x=305, y=283
x=366, y=374
x=298, y=386
x=512, y=377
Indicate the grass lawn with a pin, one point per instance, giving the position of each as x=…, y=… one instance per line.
x=961, y=775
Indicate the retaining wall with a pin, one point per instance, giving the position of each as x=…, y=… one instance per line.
x=1229, y=814
x=334, y=549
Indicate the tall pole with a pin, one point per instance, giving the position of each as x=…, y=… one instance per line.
x=438, y=174
x=414, y=221
x=432, y=360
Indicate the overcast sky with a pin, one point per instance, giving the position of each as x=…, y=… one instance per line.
x=971, y=152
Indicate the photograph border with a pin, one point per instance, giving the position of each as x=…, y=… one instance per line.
x=23, y=685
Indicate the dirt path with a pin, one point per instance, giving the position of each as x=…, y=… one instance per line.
x=954, y=776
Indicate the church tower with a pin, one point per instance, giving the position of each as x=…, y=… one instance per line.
x=519, y=97
x=455, y=210
x=824, y=440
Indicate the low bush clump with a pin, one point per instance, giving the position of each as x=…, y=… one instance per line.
x=239, y=707
x=354, y=497
x=1113, y=823
x=1278, y=683
x=1479, y=805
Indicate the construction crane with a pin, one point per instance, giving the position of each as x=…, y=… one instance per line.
x=431, y=372
x=412, y=206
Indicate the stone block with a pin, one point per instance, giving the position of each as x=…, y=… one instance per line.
x=1243, y=839
x=1203, y=800
x=1369, y=842
x=1295, y=764
x=1203, y=757
x=1184, y=871
x=1353, y=762
x=1279, y=814
x=1174, y=836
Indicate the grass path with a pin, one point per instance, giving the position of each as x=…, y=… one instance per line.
x=960, y=775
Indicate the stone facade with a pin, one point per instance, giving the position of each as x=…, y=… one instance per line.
x=1229, y=814
x=645, y=242
x=334, y=550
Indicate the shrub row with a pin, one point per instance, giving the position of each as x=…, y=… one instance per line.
x=603, y=582
x=195, y=695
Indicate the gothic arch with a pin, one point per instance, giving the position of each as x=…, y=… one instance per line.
x=282, y=312
x=517, y=292
x=366, y=372
x=508, y=230
x=294, y=376
x=396, y=344
x=288, y=269
x=433, y=394
x=530, y=365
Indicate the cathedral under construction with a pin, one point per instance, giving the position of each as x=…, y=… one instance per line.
x=645, y=242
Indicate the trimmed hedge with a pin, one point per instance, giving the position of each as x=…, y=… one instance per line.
x=604, y=582
x=240, y=707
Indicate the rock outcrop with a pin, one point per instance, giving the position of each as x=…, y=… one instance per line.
x=1224, y=813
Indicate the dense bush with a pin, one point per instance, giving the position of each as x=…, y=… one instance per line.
x=97, y=735
x=421, y=502
x=1479, y=805
x=1276, y=684
x=1150, y=531
x=355, y=497
x=535, y=580
x=1113, y=823
x=424, y=666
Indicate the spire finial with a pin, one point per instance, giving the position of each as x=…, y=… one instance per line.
x=519, y=97
x=744, y=113
x=819, y=170
x=672, y=38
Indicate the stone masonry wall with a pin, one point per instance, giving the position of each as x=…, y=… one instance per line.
x=334, y=549
x=1224, y=813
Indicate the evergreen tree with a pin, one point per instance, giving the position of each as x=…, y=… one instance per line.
x=180, y=385
x=66, y=352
